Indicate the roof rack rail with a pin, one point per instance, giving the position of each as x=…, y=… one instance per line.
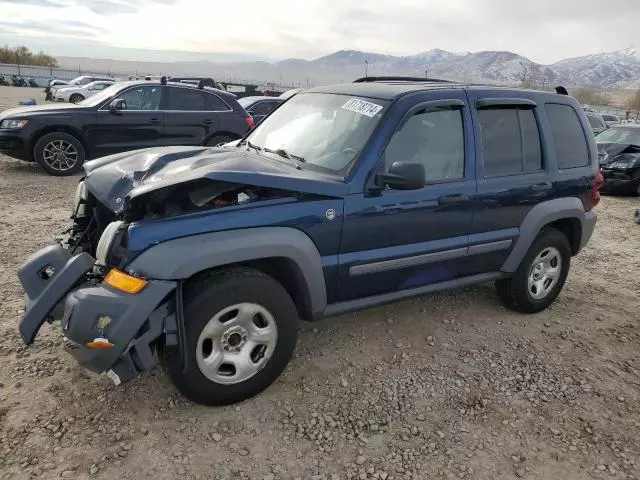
x=401, y=79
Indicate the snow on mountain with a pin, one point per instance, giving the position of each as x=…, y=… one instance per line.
x=619, y=69
x=610, y=69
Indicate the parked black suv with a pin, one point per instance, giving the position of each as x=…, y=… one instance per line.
x=125, y=116
x=345, y=197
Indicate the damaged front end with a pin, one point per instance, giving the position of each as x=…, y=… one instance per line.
x=111, y=318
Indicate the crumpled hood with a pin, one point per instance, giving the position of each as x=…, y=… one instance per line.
x=116, y=178
x=28, y=110
x=608, y=151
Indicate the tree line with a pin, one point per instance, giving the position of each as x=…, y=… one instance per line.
x=23, y=56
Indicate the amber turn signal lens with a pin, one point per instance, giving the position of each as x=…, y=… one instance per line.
x=126, y=283
x=99, y=344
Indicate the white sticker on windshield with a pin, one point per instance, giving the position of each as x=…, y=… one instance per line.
x=363, y=107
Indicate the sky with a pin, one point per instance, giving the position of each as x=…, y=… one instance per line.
x=172, y=30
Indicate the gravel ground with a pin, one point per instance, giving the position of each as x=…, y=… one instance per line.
x=446, y=386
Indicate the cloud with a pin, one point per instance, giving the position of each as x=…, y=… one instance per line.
x=107, y=7
x=66, y=27
x=38, y=3
x=543, y=30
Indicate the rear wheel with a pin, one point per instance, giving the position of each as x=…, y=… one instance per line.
x=59, y=153
x=240, y=329
x=218, y=140
x=541, y=274
x=76, y=97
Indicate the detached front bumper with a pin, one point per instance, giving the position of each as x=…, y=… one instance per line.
x=58, y=287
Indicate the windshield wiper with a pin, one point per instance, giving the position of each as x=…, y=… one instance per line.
x=255, y=147
x=283, y=153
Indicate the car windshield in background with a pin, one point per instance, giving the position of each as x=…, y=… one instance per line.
x=246, y=101
x=100, y=97
x=320, y=131
x=594, y=121
x=620, y=135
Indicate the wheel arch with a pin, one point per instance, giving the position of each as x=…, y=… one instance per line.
x=284, y=253
x=565, y=214
x=77, y=134
x=233, y=136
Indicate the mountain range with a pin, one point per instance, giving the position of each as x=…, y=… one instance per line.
x=613, y=70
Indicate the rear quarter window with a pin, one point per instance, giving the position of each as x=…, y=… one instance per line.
x=568, y=136
x=510, y=141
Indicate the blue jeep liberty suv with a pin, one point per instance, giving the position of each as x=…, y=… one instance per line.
x=345, y=197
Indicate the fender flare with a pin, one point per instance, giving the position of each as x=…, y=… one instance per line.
x=543, y=214
x=184, y=257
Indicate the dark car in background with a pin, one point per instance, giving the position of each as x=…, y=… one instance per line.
x=611, y=120
x=619, y=157
x=125, y=116
x=259, y=106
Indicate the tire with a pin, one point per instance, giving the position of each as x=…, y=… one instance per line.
x=217, y=301
x=47, y=148
x=518, y=293
x=637, y=215
x=217, y=140
x=76, y=97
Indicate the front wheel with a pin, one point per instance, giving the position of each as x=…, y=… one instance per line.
x=240, y=329
x=541, y=274
x=76, y=98
x=59, y=153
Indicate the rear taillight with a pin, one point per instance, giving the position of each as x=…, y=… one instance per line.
x=595, y=194
x=249, y=121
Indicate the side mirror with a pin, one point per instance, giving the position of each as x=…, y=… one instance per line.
x=117, y=105
x=403, y=176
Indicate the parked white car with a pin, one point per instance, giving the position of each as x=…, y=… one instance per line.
x=78, y=82
x=75, y=94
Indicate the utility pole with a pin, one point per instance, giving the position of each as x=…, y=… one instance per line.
x=426, y=73
x=18, y=62
x=366, y=69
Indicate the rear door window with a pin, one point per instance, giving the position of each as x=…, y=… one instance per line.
x=186, y=99
x=510, y=141
x=568, y=136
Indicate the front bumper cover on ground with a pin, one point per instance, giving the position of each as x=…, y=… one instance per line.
x=55, y=281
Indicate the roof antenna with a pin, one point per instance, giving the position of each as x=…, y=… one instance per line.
x=163, y=80
x=560, y=90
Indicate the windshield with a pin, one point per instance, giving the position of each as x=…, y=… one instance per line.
x=100, y=97
x=320, y=131
x=246, y=101
x=594, y=121
x=620, y=135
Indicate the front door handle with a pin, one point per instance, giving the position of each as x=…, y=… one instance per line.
x=541, y=187
x=208, y=121
x=154, y=121
x=452, y=199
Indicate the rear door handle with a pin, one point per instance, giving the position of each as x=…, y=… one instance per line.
x=154, y=121
x=452, y=199
x=208, y=121
x=541, y=187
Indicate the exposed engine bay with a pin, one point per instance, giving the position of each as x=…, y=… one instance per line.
x=90, y=217
x=197, y=196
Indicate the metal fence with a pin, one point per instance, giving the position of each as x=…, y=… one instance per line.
x=42, y=75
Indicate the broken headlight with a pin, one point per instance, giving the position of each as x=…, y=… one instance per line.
x=80, y=201
x=112, y=245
